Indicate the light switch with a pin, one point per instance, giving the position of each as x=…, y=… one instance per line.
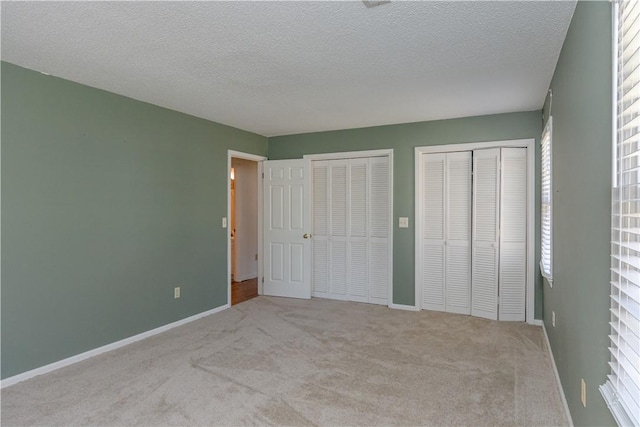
x=403, y=222
x=224, y=222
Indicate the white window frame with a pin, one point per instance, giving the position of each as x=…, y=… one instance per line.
x=621, y=391
x=546, y=200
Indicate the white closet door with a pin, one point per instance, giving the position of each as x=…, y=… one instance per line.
x=379, y=230
x=433, y=231
x=458, y=233
x=320, y=230
x=351, y=229
x=513, y=234
x=486, y=211
x=358, y=262
x=338, y=229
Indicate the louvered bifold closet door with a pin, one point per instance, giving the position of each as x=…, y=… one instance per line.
x=351, y=229
x=379, y=230
x=458, y=233
x=338, y=229
x=513, y=234
x=358, y=260
x=433, y=231
x=320, y=229
x=486, y=211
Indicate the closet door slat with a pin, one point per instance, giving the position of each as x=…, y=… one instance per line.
x=486, y=211
x=320, y=221
x=458, y=233
x=513, y=234
x=338, y=264
x=433, y=231
x=379, y=230
x=358, y=274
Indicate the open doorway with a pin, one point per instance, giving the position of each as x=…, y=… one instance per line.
x=244, y=226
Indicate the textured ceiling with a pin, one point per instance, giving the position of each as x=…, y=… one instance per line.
x=278, y=68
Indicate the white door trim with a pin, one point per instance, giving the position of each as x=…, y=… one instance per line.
x=529, y=144
x=369, y=153
x=350, y=154
x=256, y=158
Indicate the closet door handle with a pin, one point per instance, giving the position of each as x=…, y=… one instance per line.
x=306, y=235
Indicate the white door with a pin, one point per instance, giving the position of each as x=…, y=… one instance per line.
x=446, y=242
x=513, y=234
x=458, y=233
x=287, y=228
x=486, y=217
x=320, y=242
x=351, y=221
x=433, y=231
x=380, y=241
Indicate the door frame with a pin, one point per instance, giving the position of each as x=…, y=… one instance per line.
x=359, y=154
x=259, y=159
x=529, y=144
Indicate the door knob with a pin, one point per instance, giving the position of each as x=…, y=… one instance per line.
x=306, y=235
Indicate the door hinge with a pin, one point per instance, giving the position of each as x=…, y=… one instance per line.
x=262, y=175
x=263, y=280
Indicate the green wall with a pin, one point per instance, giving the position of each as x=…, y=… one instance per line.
x=403, y=139
x=107, y=205
x=581, y=109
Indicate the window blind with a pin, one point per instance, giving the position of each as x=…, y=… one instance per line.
x=622, y=389
x=546, y=267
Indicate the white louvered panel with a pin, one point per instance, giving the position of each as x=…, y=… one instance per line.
x=433, y=277
x=433, y=234
x=484, y=290
x=459, y=197
x=486, y=208
x=458, y=233
x=320, y=274
x=357, y=208
x=338, y=191
x=338, y=269
x=358, y=197
x=320, y=190
x=458, y=281
x=358, y=271
x=380, y=196
x=513, y=203
x=379, y=269
x=433, y=196
x=513, y=234
x=512, y=281
x=486, y=193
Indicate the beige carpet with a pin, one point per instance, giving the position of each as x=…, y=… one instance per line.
x=278, y=361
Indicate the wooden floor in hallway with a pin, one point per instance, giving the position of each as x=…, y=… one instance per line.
x=244, y=291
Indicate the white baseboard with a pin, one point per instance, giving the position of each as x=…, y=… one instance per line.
x=537, y=322
x=555, y=370
x=403, y=307
x=105, y=348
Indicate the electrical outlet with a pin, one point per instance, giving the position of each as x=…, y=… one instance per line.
x=553, y=319
x=403, y=222
x=176, y=292
x=583, y=392
x=224, y=222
